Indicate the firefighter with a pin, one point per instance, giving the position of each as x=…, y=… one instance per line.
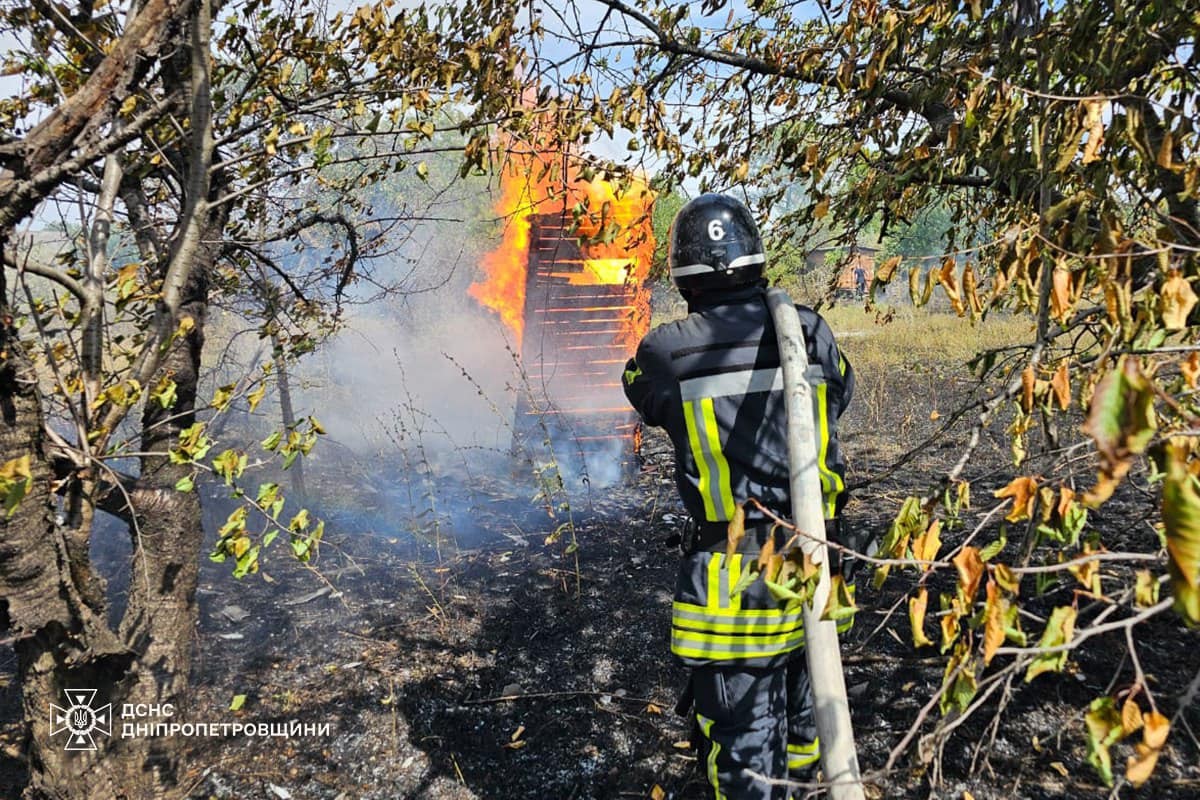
x=713, y=381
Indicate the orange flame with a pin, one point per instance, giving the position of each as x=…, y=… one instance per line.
x=612, y=218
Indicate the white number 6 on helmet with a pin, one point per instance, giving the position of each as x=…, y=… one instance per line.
x=716, y=231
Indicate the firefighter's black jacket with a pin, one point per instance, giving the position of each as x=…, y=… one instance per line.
x=713, y=381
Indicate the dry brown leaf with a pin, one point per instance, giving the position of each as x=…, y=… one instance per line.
x=1157, y=728
x=1066, y=499
x=1060, y=294
x=1131, y=716
x=970, y=571
x=971, y=290
x=765, y=554
x=1060, y=769
x=1060, y=383
x=1023, y=491
x=1190, y=368
x=1028, y=382
x=736, y=532
x=1093, y=122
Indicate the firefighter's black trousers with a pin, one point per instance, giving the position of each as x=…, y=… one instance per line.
x=757, y=729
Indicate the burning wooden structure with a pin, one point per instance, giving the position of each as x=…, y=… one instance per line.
x=582, y=319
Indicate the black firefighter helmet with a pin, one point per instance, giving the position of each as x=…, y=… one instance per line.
x=714, y=245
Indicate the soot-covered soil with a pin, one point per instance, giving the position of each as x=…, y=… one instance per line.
x=510, y=671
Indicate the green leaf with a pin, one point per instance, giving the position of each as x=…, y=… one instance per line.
x=840, y=605
x=1104, y=729
x=185, y=484
x=1058, y=632
x=993, y=549
x=271, y=442
x=1181, y=520
x=239, y=700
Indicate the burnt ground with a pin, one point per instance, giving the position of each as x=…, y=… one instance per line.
x=512, y=669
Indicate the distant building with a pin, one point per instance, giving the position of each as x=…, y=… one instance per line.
x=862, y=256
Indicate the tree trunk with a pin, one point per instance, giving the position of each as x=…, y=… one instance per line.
x=61, y=639
x=160, y=621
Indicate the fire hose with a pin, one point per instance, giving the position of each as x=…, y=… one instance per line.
x=839, y=758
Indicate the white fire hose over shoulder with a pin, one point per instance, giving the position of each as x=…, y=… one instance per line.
x=839, y=759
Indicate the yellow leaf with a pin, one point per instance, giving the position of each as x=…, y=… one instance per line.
x=653, y=708
x=1178, y=300
x=1145, y=589
x=887, y=269
x=1140, y=767
x=934, y=415
x=1023, y=491
x=255, y=397
x=925, y=547
x=657, y=793
x=916, y=618
x=993, y=629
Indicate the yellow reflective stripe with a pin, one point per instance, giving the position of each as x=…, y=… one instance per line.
x=724, y=488
x=710, y=511
x=831, y=482
x=706, y=726
x=806, y=749
x=713, y=584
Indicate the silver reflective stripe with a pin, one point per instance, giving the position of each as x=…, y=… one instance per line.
x=699, y=269
x=701, y=644
x=691, y=269
x=732, y=384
